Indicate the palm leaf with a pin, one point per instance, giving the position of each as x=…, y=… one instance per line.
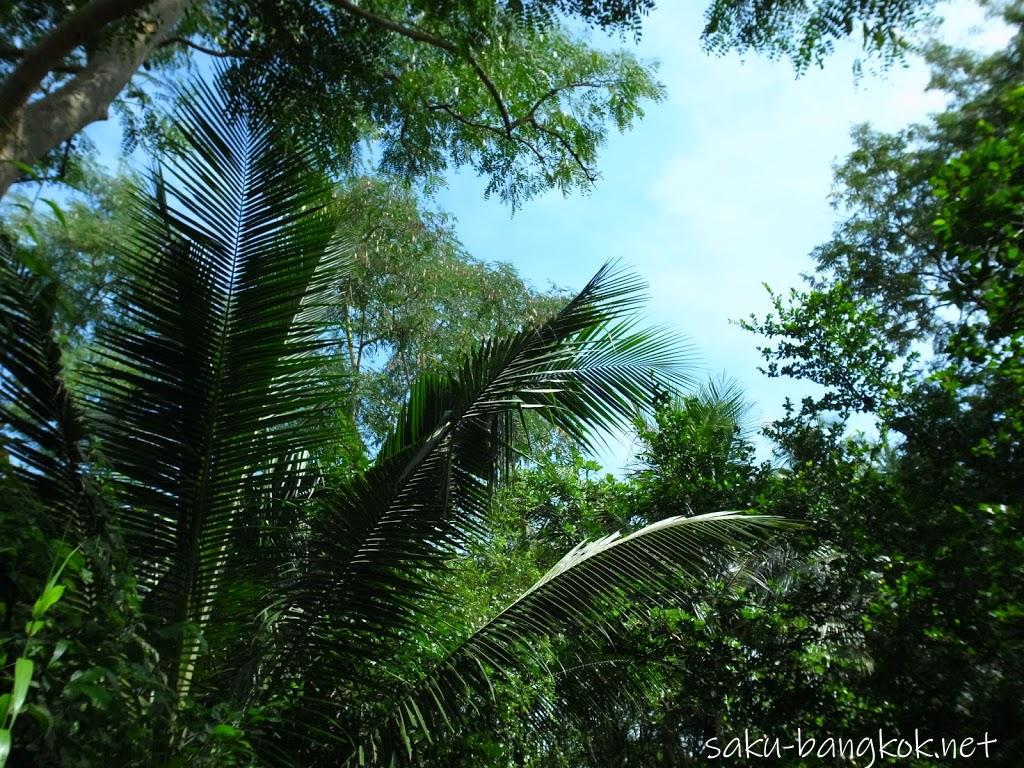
x=213, y=367
x=586, y=597
x=41, y=426
x=587, y=368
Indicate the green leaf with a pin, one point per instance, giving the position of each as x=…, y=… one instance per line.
x=224, y=730
x=22, y=677
x=59, y=649
x=47, y=600
x=96, y=694
x=31, y=232
x=57, y=212
x=587, y=593
x=5, y=746
x=5, y=700
x=225, y=284
x=42, y=716
x=23, y=167
x=405, y=734
x=35, y=265
x=33, y=627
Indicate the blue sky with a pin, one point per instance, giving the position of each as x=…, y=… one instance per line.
x=719, y=189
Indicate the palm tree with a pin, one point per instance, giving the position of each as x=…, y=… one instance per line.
x=301, y=602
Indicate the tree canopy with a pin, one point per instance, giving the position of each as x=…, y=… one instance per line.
x=913, y=317
x=501, y=85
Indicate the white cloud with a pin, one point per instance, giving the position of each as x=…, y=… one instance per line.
x=720, y=189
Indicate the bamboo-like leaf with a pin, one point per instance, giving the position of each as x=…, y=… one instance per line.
x=47, y=600
x=23, y=669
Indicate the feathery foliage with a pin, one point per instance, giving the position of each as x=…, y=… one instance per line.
x=300, y=600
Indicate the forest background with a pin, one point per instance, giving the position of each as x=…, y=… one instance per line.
x=896, y=603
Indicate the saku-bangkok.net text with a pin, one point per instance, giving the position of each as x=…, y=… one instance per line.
x=861, y=752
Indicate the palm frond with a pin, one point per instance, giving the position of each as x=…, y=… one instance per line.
x=589, y=593
x=377, y=543
x=212, y=368
x=40, y=425
x=724, y=396
x=587, y=368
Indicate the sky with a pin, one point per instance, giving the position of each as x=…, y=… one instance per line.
x=718, y=190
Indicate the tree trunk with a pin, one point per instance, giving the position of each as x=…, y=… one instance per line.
x=41, y=125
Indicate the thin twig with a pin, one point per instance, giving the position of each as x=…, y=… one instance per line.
x=552, y=92
x=564, y=143
x=227, y=53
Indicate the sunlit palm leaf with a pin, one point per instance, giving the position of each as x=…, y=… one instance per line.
x=210, y=397
x=586, y=369
x=585, y=596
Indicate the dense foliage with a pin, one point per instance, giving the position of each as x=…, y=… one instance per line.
x=235, y=588
x=914, y=317
x=511, y=88
x=287, y=477
x=410, y=301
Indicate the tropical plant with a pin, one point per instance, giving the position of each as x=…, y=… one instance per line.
x=289, y=607
x=411, y=300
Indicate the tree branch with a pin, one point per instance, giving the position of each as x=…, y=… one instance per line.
x=413, y=33
x=58, y=176
x=567, y=146
x=229, y=53
x=510, y=124
x=527, y=119
x=419, y=35
x=552, y=92
x=33, y=129
x=13, y=53
x=49, y=52
x=493, y=90
x=449, y=109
